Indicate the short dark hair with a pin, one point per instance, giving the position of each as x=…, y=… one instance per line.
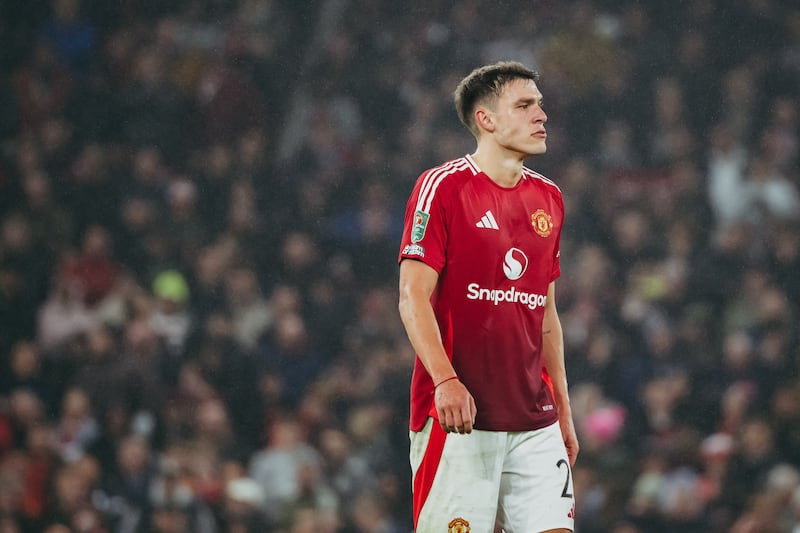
x=486, y=81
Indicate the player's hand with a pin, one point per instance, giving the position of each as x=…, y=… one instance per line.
x=570, y=438
x=455, y=407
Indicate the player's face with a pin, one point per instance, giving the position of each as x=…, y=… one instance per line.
x=519, y=118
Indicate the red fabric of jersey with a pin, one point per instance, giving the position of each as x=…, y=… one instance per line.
x=496, y=251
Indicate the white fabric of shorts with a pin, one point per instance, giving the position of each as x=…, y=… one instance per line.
x=491, y=481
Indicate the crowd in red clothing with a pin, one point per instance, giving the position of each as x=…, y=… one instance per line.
x=200, y=207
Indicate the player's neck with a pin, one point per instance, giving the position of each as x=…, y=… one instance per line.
x=502, y=168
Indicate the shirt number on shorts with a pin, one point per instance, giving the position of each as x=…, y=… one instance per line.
x=565, y=493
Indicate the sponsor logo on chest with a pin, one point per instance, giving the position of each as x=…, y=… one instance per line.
x=515, y=263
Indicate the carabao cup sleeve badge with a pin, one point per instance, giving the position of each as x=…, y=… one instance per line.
x=420, y=223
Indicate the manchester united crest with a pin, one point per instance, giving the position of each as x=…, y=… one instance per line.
x=458, y=525
x=542, y=223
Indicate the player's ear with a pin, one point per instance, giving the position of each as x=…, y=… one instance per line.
x=484, y=119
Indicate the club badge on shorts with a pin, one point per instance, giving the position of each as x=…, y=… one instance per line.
x=542, y=223
x=420, y=223
x=458, y=525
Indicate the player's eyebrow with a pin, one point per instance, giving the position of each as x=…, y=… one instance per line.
x=537, y=100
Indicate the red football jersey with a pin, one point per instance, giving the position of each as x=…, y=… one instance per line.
x=496, y=251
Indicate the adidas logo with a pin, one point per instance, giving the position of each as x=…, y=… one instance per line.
x=487, y=221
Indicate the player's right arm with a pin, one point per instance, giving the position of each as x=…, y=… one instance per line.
x=455, y=406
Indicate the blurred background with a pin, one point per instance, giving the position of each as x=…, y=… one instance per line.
x=200, y=210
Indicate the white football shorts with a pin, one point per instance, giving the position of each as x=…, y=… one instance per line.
x=490, y=481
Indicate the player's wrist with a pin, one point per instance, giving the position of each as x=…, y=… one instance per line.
x=445, y=380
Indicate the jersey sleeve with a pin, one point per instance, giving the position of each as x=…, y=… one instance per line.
x=425, y=228
x=556, y=271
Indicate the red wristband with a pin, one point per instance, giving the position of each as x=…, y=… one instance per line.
x=444, y=380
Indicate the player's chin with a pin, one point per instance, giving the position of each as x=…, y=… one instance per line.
x=538, y=140
x=531, y=149
x=538, y=148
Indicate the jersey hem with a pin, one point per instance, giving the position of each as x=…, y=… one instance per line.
x=492, y=427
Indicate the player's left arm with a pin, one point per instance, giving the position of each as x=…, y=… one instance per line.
x=553, y=358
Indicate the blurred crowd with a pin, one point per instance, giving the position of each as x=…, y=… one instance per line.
x=200, y=210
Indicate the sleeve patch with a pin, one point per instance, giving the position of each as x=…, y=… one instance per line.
x=414, y=249
x=420, y=223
